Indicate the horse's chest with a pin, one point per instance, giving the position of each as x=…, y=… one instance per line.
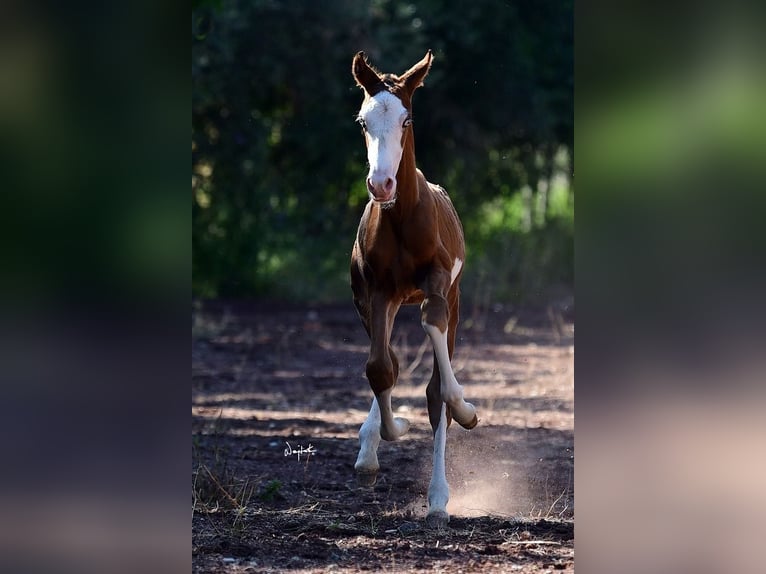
x=396, y=267
x=396, y=256
x=395, y=261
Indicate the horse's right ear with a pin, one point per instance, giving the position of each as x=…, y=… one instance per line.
x=365, y=76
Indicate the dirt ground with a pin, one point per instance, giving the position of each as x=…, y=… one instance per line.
x=268, y=379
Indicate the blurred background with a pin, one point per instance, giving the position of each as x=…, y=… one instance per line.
x=278, y=163
x=671, y=140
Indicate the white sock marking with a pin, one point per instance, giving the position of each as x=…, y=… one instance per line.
x=438, y=489
x=452, y=392
x=369, y=439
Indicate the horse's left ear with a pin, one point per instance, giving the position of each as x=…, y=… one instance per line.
x=413, y=78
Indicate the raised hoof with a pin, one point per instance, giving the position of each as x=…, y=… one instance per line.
x=366, y=478
x=401, y=426
x=471, y=424
x=437, y=519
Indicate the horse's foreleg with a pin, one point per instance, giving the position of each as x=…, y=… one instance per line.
x=438, y=489
x=367, y=466
x=382, y=368
x=435, y=320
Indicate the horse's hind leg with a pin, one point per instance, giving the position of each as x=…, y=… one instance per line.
x=438, y=489
x=382, y=367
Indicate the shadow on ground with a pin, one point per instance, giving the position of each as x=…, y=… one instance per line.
x=264, y=377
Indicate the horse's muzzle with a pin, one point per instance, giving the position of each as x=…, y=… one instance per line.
x=381, y=189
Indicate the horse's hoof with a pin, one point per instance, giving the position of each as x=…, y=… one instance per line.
x=401, y=426
x=366, y=478
x=437, y=519
x=471, y=424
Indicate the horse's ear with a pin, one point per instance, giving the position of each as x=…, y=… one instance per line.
x=413, y=78
x=364, y=75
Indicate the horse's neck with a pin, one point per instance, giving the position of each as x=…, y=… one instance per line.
x=407, y=180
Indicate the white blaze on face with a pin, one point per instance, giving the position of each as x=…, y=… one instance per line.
x=383, y=116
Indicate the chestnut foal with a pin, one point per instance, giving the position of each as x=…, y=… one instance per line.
x=409, y=250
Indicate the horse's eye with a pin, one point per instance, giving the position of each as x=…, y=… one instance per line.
x=362, y=123
x=407, y=122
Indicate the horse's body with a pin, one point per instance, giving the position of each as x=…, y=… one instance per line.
x=409, y=250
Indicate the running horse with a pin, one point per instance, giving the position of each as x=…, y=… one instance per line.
x=409, y=250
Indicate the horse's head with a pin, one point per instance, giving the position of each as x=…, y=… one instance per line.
x=386, y=118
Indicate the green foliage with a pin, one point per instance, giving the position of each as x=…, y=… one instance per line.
x=278, y=163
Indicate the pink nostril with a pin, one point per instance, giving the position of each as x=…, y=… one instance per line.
x=389, y=185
